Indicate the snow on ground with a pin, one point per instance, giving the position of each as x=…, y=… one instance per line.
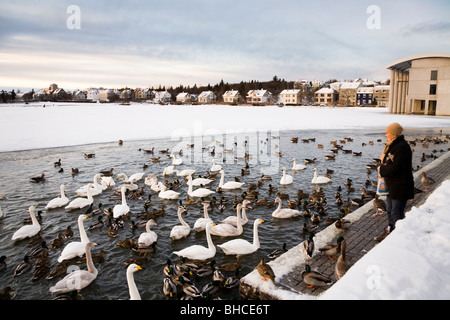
x=33, y=126
x=411, y=263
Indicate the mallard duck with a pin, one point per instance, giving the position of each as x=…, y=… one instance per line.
x=68, y=233
x=22, y=267
x=265, y=271
x=379, y=205
x=41, y=178
x=308, y=246
x=127, y=243
x=206, y=270
x=426, y=181
x=99, y=224
x=189, y=289
x=309, y=228
x=234, y=280
x=342, y=264
x=314, y=278
x=332, y=249
x=342, y=224
x=169, y=288
x=57, y=270
x=277, y=252
x=315, y=218
x=2, y=263
x=42, y=249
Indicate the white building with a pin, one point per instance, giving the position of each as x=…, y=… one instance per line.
x=231, y=96
x=162, y=97
x=259, y=97
x=290, y=97
x=207, y=97
x=93, y=95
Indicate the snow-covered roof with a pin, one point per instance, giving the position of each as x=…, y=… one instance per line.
x=326, y=90
x=290, y=91
x=350, y=85
x=231, y=93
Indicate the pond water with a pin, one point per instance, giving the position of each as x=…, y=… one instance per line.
x=262, y=147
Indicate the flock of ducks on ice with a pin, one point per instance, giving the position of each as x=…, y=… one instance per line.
x=196, y=258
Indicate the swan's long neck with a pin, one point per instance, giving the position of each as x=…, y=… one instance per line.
x=189, y=185
x=255, y=235
x=90, y=264
x=134, y=293
x=244, y=213
x=83, y=235
x=147, y=226
x=62, y=191
x=124, y=198
x=89, y=195
x=239, y=223
x=222, y=178
x=205, y=211
x=279, y=206
x=181, y=219
x=209, y=239
x=33, y=217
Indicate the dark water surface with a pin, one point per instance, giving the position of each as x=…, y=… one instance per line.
x=18, y=167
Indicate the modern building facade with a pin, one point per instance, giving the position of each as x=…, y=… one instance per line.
x=420, y=84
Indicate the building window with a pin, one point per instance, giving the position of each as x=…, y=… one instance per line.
x=434, y=75
x=432, y=89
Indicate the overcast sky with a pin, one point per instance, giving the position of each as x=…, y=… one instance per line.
x=171, y=42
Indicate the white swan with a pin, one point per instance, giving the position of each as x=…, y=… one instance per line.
x=132, y=288
x=95, y=188
x=230, y=185
x=78, y=279
x=241, y=246
x=286, y=179
x=200, y=224
x=166, y=193
x=200, y=192
x=80, y=203
x=176, y=161
x=297, y=167
x=133, y=178
x=107, y=181
x=228, y=230
x=168, y=170
x=150, y=180
x=60, y=201
x=197, y=182
x=233, y=219
x=147, y=238
x=28, y=231
x=76, y=248
x=319, y=179
x=179, y=232
x=284, y=213
x=185, y=172
x=121, y=209
x=197, y=252
x=215, y=167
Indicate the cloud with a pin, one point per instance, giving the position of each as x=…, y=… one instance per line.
x=426, y=28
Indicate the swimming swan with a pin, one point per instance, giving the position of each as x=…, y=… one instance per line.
x=183, y=230
x=198, y=193
x=230, y=185
x=80, y=203
x=121, y=209
x=284, y=213
x=76, y=248
x=197, y=252
x=147, y=238
x=286, y=179
x=228, y=230
x=319, y=179
x=28, y=231
x=241, y=246
x=60, y=201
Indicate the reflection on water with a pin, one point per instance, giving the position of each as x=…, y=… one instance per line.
x=228, y=150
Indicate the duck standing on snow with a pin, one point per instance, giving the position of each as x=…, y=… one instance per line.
x=265, y=271
x=427, y=182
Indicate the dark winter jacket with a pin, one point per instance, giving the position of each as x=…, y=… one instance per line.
x=396, y=169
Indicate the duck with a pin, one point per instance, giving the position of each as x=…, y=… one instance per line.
x=228, y=230
x=78, y=279
x=319, y=179
x=183, y=230
x=97, y=225
x=80, y=203
x=342, y=265
x=189, y=289
x=265, y=271
x=332, y=249
x=426, y=181
x=74, y=171
x=107, y=173
x=215, y=167
x=230, y=185
x=41, y=250
x=297, y=167
x=308, y=246
x=309, y=161
x=197, y=193
x=147, y=238
x=314, y=278
x=76, y=248
x=380, y=205
x=277, y=252
x=38, y=179
x=60, y=201
x=57, y=270
x=121, y=209
x=284, y=213
x=342, y=224
x=234, y=280
x=241, y=246
x=286, y=179
x=200, y=223
x=167, y=193
x=57, y=242
x=22, y=267
x=310, y=228
x=132, y=288
x=169, y=288
x=233, y=219
x=28, y=231
x=68, y=233
x=198, y=252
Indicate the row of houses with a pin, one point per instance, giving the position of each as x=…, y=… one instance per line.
x=354, y=93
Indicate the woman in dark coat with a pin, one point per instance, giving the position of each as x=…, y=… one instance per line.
x=396, y=169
